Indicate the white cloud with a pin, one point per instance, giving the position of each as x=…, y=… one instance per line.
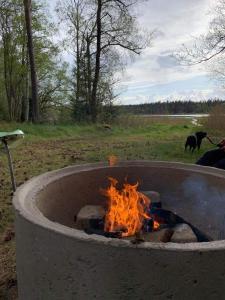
x=155, y=75
x=176, y=22
x=183, y=95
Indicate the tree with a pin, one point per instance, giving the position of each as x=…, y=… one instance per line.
x=209, y=48
x=15, y=75
x=215, y=121
x=99, y=29
x=116, y=27
x=13, y=60
x=34, y=87
x=210, y=45
x=78, y=16
x=93, y=106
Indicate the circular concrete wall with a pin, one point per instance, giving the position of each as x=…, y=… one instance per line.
x=57, y=261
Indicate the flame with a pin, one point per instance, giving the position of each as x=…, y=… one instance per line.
x=156, y=225
x=127, y=209
x=113, y=160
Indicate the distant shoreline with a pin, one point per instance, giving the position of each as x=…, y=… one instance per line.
x=176, y=115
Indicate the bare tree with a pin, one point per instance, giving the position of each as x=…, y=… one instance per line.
x=207, y=46
x=79, y=17
x=34, y=87
x=209, y=49
x=93, y=106
x=116, y=27
x=99, y=29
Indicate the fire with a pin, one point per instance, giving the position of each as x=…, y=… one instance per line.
x=127, y=209
x=156, y=225
x=113, y=160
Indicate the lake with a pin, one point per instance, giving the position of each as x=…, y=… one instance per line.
x=191, y=116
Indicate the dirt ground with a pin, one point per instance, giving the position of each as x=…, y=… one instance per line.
x=35, y=156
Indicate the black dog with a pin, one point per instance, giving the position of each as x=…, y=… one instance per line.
x=194, y=141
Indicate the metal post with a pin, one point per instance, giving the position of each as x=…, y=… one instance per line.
x=10, y=164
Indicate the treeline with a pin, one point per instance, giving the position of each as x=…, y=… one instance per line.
x=16, y=91
x=97, y=34
x=172, y=107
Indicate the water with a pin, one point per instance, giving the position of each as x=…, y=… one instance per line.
x=189, y=116
x=194, y=117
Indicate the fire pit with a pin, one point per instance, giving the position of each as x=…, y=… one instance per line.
x=57, y=261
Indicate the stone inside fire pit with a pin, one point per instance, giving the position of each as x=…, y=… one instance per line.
x=171, y=228
x=57, y=261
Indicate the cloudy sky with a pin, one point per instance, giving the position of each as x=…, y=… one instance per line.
x=155, y=75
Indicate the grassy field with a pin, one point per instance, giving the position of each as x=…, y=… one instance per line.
x=46, y=148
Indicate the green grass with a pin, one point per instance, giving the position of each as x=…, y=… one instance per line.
x=46, y=148
x=48, y=131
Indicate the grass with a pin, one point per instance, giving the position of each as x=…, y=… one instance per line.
x=46, y=148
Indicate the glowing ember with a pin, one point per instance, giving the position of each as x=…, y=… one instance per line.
x=127, y=209
x=156, y=225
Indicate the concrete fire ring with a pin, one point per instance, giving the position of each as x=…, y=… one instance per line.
x=57, y=261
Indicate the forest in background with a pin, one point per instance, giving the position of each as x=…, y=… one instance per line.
x=173, y=107
x=38, y=85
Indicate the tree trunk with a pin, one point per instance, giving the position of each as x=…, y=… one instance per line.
x=28, y=19
x=25, y=88
x=25, y=100
x=78, y=59
x=97, y=63
x=6, y=76
x=88, y=72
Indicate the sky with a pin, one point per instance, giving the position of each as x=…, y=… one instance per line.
x=156, y=75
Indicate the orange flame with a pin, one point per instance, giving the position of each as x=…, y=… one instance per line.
x=127, y=209
x=156, y=225
x=113, y=160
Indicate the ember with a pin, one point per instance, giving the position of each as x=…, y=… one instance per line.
x=127, y=209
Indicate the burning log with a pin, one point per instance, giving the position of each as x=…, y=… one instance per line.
x=160, y=236
x=135, y=216
x=115, y=235
x=127, y=208
x=167, y=217
x=138, y=239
